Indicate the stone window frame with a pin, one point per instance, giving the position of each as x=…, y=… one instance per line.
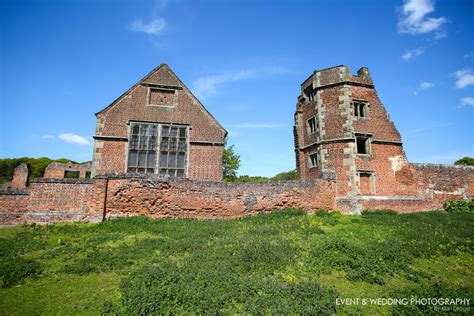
x=368, y=144
x=310, y=93
x=371, y=179
x=308, y=126
x=158, y=144
x=366, y=108
x=160, y=88
x=313, y=163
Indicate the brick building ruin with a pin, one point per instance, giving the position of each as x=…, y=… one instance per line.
x=158, y=153
x=58, y=170
x=343, y=130
x=158, y=127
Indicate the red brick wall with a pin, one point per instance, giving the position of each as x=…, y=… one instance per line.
x=205, y=162
x=20, y=176
x=181, y=108
x=112, y=156
x=206, y=200
x=55, y=170
x=53, y=200
x=47, y=201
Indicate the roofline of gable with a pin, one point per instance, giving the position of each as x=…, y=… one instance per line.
x=131, y=88
x=183, y=86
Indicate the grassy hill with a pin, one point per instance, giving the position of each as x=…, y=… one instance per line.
x=284, y=262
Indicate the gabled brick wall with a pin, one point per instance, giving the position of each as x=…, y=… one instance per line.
x=180, y=106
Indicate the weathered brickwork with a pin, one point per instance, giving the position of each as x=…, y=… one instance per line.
x=356, y=140
x=56, y=170
x=20, y=177
x=159, y=98
x=154, y=197
x=51, y=200
x=349, y=157
x=47, y=201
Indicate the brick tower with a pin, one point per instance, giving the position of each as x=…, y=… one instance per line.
x=343, y=130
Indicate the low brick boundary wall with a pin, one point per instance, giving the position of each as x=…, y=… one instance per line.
x=110, y=196
x=48, y=201
x=153, y=197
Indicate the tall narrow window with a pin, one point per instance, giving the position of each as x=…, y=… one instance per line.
x=142, y=148
x=311, y=126
x=173, y=151
x=363, y=144
x=313, y=160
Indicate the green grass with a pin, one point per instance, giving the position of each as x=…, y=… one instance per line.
x=285, y=262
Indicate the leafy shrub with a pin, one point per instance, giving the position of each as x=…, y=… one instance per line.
x=459, y=206
x=13, y=270
x=164, y=290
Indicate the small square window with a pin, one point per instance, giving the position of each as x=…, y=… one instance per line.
x=312, y=126
x=313, y=160
x=360, y=108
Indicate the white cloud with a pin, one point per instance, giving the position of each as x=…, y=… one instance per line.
x=469, y=56
x=48, y=136
x=154, y=27
x=426, y=85
x=74, y=139
x=207, y=85
x=414, y=20
x=467, y=101
x=409, y=54
x=464, y=77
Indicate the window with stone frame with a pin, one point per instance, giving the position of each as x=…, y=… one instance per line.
x=313, y=160
x=363, y=144
x=158, y=148
x=361, y=108
x=173, y=151
x=142, y=148
x=310, y=93
x=312, y=126
x=159, y=96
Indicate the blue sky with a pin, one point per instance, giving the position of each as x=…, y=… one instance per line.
x=62, y=61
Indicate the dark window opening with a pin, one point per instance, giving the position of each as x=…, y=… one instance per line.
x=309, y=92
x=88, y=174
x=360, y=108
x=71, y=174
x=313, y=160
x=362, y=145
x=312, y=126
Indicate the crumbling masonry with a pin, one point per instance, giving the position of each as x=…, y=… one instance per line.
x=342, y=129
x=158, y=153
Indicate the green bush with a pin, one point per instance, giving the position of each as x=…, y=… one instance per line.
x=13, y=270
x=162, y=290
x=459, y=206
